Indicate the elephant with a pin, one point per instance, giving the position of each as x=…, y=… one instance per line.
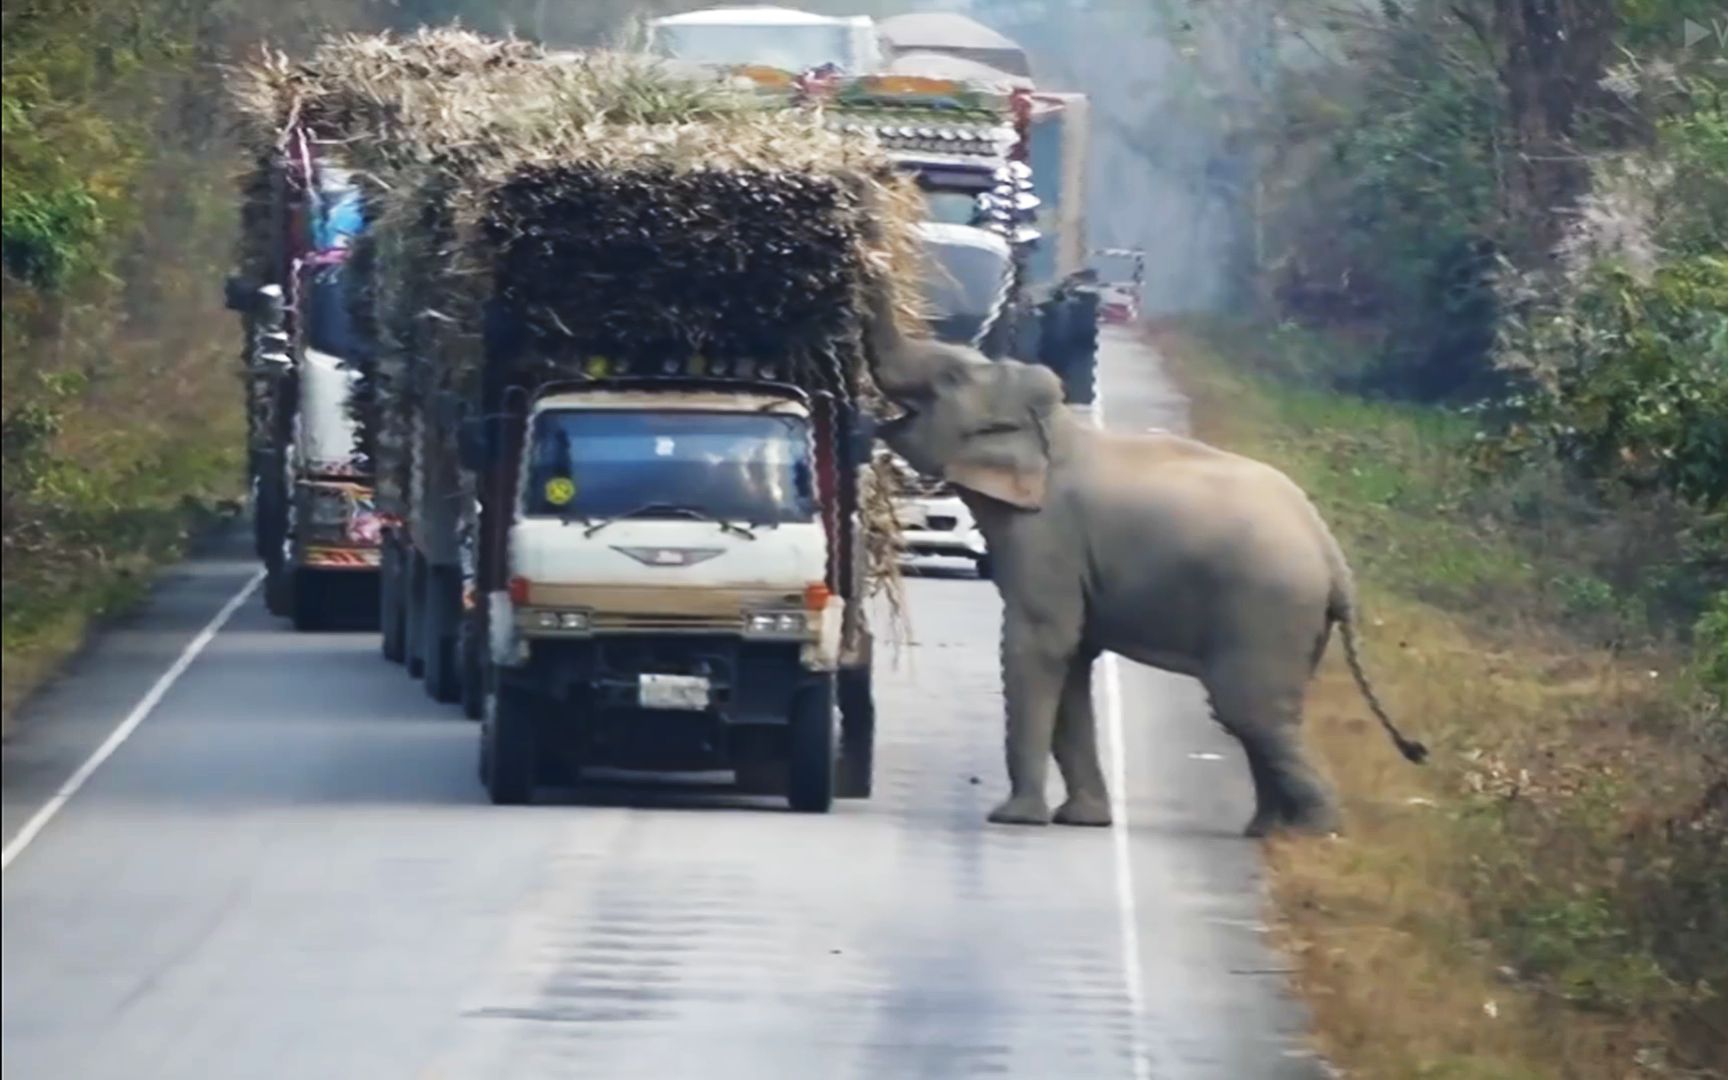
x=1157, y=547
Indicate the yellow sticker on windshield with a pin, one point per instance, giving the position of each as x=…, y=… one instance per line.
x=560, y=490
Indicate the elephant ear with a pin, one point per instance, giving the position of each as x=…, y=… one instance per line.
x=1008, y=457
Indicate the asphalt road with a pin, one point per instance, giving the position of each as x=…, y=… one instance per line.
x=288, y=870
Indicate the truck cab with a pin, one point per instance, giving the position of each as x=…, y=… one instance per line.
x=776, y=37
x=670, y=599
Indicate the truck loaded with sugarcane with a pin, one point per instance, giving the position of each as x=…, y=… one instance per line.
x=999, y=162
x=315, y=525
x=615, y=401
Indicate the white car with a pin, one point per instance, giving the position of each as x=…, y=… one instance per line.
x=934, y=522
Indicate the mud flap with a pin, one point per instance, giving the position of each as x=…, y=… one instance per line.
x=856, y=765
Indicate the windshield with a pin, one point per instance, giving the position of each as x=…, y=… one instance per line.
x=963, y=278
x=596, y=464
x=951, y=207
x=789, y=48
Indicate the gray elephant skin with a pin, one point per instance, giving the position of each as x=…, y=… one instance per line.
x=1156, y=547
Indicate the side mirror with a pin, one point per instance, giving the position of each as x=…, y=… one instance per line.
x=474, y=444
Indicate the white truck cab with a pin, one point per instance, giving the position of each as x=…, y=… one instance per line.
x=778, y=37
x=645, y=513
x=667, y=604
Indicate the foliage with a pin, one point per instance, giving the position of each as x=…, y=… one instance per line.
x=1394, y=217
x=47, y=237
x=1634, y=379
x=1712, y=641
x=1549, y=899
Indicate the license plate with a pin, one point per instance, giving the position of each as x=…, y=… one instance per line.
x=673, y=692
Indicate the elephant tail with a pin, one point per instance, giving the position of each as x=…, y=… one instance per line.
x=1342, y=609
x=1410, y=748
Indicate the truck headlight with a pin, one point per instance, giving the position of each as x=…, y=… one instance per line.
x=562, y=620
x=776, y=622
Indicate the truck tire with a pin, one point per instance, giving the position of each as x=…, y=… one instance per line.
x=278, y=589
x=857, y=734
x=391, y=616
x=810, y=766
x=471, y=641
x=510, y=747
x=440, y=615
x=269, y=510
x=413, y=612
x=310, y=602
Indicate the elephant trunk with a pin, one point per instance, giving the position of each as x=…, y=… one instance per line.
x=900, y=367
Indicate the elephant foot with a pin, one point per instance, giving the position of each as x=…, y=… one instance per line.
x=1084, y=810
x=1263, y=824
x=1021, y=810
x=1313, y=821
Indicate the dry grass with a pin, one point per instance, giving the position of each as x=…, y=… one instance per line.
x=1550, y=897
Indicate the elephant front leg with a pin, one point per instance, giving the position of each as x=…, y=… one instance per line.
x=1032, y=680
x=1076, y=747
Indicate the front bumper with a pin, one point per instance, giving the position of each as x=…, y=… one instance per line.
x=670, y=615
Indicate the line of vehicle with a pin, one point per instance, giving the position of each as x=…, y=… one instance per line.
x=140, y=712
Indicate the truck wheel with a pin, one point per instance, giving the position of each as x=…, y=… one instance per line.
x=310, y=602
x=509, y=749
x=473, y=652
x=278, y=589
x=414, y=612
x=269, y=510
x=440, y=613
x=857, y=734
x=810, y=770
x=390, y=613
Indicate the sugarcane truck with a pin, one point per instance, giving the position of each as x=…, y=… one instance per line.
x=1003, y=172
x=315, y=525
x=667, y=572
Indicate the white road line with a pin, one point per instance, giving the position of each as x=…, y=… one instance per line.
x=1127, y=908
x=146, y=705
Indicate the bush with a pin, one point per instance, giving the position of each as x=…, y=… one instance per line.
x=48, y=237
x=1629, y=379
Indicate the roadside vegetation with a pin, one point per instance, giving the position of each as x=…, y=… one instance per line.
x=1549, y=897
x=1486, y=324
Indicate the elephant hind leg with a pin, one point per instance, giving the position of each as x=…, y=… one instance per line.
x=1272, y=808
x=1263, y=710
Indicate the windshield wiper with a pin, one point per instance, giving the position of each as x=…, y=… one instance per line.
x=672, y=508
